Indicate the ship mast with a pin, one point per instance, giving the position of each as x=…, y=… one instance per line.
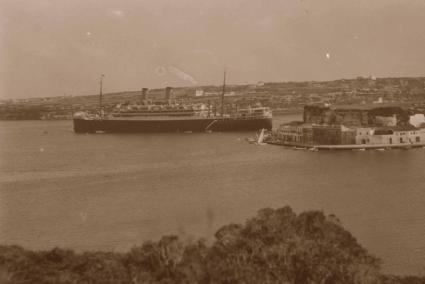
x=222, y=94
x=100, y=95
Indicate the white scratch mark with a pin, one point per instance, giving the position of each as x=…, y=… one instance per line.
x=118, y=13
x=162, y=71
x=182, y=75
x=41, y=149
x=328, y=56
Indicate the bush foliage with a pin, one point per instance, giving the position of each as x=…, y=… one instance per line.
x=276, y=246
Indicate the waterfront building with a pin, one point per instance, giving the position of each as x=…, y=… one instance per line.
x=363, y=135
x=327, y=134
x=357, y=115
x=371, y=126
x=348, y=135
x=292, y=132
x=395, y=135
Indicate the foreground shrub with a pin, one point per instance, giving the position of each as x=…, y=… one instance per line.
x=276, y=246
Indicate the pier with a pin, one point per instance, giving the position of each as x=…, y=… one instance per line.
x=348, y=146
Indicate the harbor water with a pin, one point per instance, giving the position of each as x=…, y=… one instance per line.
x=114, y=191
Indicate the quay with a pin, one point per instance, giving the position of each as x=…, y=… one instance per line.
x=299, y=146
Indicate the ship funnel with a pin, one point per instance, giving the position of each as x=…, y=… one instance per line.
x=144, y=95
x=168, y=94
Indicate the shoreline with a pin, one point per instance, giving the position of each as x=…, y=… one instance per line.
x=347, y=146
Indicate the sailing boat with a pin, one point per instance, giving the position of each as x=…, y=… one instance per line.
x=261, y=137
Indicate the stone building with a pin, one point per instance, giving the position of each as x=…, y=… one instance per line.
x=396, y=135
x=327, y=134
x=353, y=125
x=291, y=132
x=357, y=115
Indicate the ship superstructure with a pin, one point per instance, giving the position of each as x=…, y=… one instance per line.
x=172, y=117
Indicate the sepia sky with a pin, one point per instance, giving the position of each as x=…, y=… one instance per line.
x=57, y=47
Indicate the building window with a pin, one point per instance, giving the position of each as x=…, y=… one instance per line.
x=391, y=140
x=418, y=139
x=401, y=139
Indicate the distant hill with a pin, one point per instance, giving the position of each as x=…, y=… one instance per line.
x=280, y=96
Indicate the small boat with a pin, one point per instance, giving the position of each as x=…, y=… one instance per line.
x=261, y=138
x=359, y=149
x=380, y=149
x=314, y=149
x=299, y=148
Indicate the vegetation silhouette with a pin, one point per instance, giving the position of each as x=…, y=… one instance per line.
x=275, y=246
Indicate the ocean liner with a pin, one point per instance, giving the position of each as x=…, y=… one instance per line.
x=172, y=118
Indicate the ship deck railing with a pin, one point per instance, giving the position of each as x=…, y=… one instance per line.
x=175, y=117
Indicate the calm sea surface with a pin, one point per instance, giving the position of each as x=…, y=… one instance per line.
x=110, y=192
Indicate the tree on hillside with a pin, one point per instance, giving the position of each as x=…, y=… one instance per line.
x=275, y=246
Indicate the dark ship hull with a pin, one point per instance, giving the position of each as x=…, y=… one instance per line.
x=84, y=125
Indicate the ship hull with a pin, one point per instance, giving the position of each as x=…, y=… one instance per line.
x=82, y=125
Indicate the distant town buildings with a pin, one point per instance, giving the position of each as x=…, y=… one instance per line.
x=282, y=97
